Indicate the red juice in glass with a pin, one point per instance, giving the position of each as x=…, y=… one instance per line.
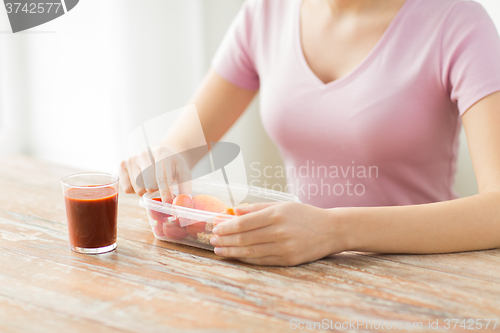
x=91, y=208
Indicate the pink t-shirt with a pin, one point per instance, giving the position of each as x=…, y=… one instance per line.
x=385, y=134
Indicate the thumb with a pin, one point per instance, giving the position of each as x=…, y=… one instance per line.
x=242, y=210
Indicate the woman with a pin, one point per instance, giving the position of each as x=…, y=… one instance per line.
x=384, y=83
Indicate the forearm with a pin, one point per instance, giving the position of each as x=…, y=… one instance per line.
x=465, y=224
x=219, y=104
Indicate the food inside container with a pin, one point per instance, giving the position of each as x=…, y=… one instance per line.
x=212, y=204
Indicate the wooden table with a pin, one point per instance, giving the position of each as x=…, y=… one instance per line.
x=148, y=285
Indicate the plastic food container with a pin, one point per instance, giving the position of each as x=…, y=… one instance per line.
x=193, y=226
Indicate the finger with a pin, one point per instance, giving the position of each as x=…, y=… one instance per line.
x=252, y=251
x=146, y=164
x=168, y=168
x=183, y=176
x=242, y=223
x=258, y=236
x=242, y=210
x=222, y=218
x=134, y=169
x=162, y=181
x=124, y=178
x=264, y=261
x=156, y=187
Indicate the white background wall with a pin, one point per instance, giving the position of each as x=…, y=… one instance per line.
x=72, y=89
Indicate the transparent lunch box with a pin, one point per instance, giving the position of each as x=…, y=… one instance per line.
x=193, y=227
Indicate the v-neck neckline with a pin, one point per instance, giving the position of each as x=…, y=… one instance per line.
x=362, y=65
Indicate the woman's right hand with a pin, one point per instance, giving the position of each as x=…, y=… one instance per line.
x=160, y=169
x=219, y=104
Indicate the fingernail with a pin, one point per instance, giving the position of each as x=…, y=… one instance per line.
x=213, y=240
x=215, y=231
x=218, y=251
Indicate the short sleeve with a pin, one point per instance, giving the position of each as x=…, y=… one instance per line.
x=470, y=55
x=234, y=59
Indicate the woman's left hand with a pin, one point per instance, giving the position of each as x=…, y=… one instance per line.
x=285, y=234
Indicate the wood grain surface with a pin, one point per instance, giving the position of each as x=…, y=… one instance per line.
x=147, y=285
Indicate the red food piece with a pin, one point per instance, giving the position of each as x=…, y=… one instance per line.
x=195, y=228
x=158, y=228
x=158, y=216
x=208, y=203
x=173, y=230
x=183, y=200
